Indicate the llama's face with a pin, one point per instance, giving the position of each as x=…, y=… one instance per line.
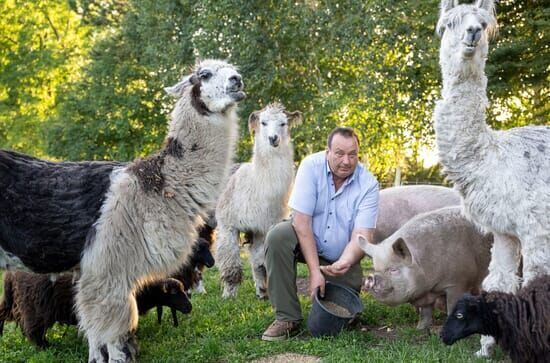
x=465, y=320
x=217, y=85
x=466, y=29
x=271, y=125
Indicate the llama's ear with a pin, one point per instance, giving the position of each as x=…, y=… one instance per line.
x=444, y=6
x=447, y=5
x=178, y=89
x=253, y=122
x=488, y=5
x=294, y=118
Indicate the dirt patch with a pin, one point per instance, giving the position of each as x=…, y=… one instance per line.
x=302, y=284
x=288, y=357
x=383, y=332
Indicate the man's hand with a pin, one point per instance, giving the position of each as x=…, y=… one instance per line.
x=338, y=268
x=317, y=280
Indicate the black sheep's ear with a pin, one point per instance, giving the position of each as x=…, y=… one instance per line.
x=165, y=287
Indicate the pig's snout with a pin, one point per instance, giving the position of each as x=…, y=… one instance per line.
x=370, y=282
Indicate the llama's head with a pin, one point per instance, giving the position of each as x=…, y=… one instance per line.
x=270, y=126
x=465, y=320
x=465, y=30
x=214, y=86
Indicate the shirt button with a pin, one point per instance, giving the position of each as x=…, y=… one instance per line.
x=328, y=227
x=325, y=241
x=330, y=213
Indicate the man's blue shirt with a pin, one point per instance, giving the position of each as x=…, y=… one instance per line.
x=334, y=214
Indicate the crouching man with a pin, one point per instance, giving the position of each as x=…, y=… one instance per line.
x=334, y=198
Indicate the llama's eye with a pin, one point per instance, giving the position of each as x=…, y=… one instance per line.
x=204, y=75
x=459, y=316
x=264, y=123
x=484, y=25
x=283, y=124
x=394, y=270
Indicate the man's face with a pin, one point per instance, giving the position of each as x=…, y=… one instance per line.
x=343, y=155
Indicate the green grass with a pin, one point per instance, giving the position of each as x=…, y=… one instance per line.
x=230, y=331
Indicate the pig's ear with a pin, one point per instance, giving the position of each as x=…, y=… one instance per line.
x=400, y=249
x=365, y=245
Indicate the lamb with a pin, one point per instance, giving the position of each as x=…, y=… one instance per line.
x=519, y=323
x=502, y=176
x=35, y=302
x=190, y=274
x=256, y=197
x=123, y=225
x=200, y=257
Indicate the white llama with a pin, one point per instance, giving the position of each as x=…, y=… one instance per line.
x=503, y=176
x=256, y=197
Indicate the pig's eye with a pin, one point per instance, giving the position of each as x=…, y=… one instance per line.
x=459, y=316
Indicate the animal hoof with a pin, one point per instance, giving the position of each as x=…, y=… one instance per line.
x=229, y=292
x=484, y=353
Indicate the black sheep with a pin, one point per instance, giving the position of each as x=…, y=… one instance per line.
x=35, y=302
x=190, y=274
x=520, y=323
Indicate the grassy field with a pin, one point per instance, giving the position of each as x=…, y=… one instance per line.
x=230, y=331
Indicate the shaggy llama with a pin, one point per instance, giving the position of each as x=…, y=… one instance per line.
x=256, y=197
x=503, y=176
x=124, y=225
x=520, y=323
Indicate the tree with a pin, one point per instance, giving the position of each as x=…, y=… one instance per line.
x=372, y=65
x=42, y=47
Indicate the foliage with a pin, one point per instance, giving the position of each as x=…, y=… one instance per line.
x=42, y=46
x=372, y=65
x=518, y=68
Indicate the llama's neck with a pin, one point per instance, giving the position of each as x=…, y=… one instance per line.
x=265, y=156
x=462, y=134
x=460, y=74
x=207, y=143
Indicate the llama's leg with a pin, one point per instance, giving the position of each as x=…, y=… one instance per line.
x=199, y=284
x=125, y=349
x=229, y=260
x=107, y=311
x=257, y=261
x=505, y=260
x=535, y=251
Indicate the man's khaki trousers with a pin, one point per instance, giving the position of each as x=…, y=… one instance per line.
x=282, y=252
